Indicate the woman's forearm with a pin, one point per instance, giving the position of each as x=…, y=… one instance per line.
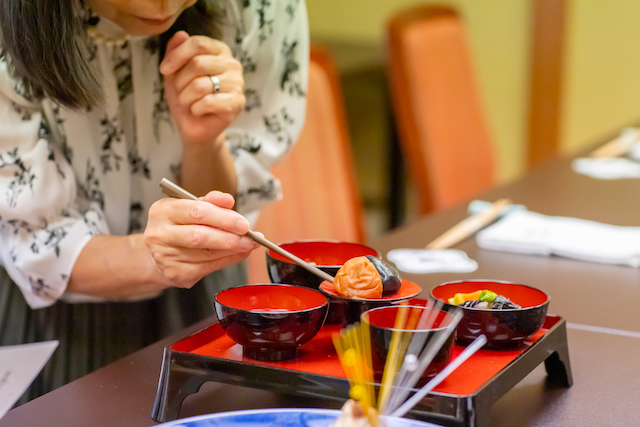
x=208, y=167
x=116, y=268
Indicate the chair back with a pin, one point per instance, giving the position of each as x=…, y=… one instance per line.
x=321, y=199
x=439, y=116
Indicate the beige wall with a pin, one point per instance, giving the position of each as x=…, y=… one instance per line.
x=602, y=69
x=602, y=78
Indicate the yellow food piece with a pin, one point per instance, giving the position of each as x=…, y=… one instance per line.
x=357, y=392
x=460, y=297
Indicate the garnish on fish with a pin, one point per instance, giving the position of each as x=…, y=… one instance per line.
x=483, y=299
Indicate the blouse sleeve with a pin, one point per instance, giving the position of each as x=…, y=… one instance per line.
x=42, y=227
x=272, y=43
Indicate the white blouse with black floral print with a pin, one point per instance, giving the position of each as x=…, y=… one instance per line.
x=66, y=175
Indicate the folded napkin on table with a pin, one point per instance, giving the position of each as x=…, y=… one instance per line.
x=607, y=168
x=528, y=232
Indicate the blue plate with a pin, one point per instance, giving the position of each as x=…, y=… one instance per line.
x=278, y=418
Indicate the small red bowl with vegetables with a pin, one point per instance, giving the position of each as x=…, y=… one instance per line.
x=506, y=313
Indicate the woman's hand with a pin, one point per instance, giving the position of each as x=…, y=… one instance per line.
x=201, y=114
x=190, y=239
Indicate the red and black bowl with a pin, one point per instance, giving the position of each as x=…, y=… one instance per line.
x=270, y=321
x=504, y=328
x=381, y=323
x=327, y=255
x=347, y=310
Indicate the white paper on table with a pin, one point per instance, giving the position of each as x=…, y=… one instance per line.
x=634, y=153
x=534, y=233
x=19, y=366
x=423, y=261
x=607, y=168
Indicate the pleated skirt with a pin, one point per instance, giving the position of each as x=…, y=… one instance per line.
x=94, y=334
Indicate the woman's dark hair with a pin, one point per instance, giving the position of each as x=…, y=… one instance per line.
x=45, y=44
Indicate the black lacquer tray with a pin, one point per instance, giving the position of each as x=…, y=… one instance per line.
x=464, y=399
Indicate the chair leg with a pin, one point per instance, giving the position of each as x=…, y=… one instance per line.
x=396, y=190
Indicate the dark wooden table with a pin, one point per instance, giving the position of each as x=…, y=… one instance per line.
x=599, y=302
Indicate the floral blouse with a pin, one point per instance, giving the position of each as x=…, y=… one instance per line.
x=66, y=175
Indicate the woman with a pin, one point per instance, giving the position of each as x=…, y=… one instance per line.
x=95, y=110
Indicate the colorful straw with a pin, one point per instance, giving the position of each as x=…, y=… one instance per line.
x=407, y=359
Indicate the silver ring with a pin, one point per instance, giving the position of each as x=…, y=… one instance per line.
x=216, y=83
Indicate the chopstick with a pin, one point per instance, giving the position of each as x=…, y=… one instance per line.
x=424, y=359
x=459, y=360
x=173, y=190
x=469, y=226
x=618, y=146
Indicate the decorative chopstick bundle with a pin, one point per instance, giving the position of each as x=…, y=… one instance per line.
x=354, y=352
x=419, y=357
x=408, y=357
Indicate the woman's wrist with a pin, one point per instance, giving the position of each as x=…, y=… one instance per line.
x=116, y=268
x=207, y=167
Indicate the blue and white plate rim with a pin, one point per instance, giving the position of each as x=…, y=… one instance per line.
x=331, y=415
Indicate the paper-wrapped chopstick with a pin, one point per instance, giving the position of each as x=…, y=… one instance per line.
x=470, y=225
x=618, y=146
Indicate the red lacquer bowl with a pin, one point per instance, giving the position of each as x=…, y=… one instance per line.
x=327, y=255
x=503, y=328
x=348, y=310
x=270, y=321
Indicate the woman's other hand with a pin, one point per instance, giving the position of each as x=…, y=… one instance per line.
x=201, y=114
x=190, y=239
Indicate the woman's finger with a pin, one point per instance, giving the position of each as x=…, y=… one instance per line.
x=181, y=212
x=206, y=66
x=176, y=40
x=195, y=45
x=203, y=86
x=200, y=237
x=190, y=255
x=218, y=198
x=219, y=104
x=186, y=274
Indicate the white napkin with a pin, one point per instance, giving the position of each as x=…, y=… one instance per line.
x=607, y=168
x=534, y=233
x=423, y=261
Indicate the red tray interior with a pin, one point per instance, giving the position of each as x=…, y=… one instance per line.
x=318, y=356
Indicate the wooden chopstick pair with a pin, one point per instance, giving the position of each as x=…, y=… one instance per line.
x=618, y=146
x=470, y=225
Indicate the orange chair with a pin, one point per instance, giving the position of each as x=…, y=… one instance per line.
x=439, y=116
x=321, y=198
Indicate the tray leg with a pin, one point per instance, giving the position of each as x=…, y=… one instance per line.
x=557, y=364
x=176, y=383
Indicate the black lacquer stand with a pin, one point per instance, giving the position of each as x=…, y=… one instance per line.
x=183, y=373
